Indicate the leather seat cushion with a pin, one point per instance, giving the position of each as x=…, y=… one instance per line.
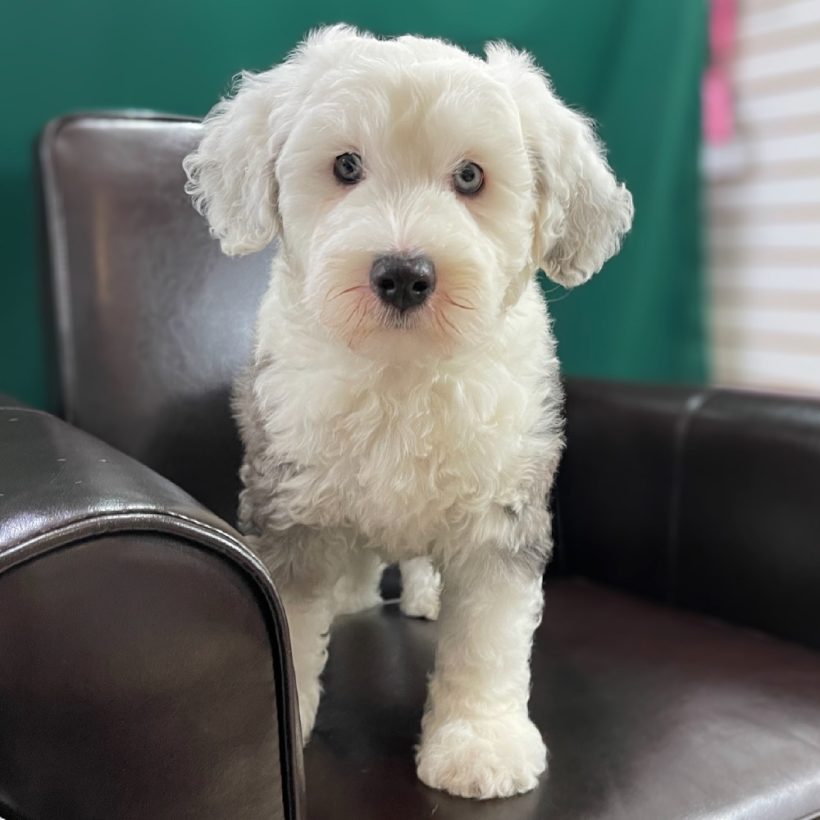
x=648, y=713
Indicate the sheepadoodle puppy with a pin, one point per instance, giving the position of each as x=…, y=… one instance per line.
x=403, y=402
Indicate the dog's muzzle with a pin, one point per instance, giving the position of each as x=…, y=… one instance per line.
x=403, y=282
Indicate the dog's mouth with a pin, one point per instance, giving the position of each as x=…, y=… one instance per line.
x=402, y=318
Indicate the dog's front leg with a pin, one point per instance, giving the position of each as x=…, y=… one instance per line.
x=305, y=565
x=309, y=618
x=477, y=738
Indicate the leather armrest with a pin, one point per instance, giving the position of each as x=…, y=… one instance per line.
x=146, y=666
x=704, y=498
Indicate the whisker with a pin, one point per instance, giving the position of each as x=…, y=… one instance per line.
x=350, y=316
x=441, y=319
x=451, y=325
x=345, y=291
x=362, y=310
x=447, y=298
x=440, y=327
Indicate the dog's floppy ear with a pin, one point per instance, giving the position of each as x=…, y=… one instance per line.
x=582, y=212
x=231, y=174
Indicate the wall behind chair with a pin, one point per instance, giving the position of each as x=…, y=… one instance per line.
x=634, y=65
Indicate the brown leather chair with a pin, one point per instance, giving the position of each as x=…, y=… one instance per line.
x=144, y=668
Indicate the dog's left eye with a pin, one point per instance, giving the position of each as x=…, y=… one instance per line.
x=468, y=178
x=348, y=168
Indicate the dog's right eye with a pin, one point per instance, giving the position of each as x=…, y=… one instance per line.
x=348, y=169
x=468, y=178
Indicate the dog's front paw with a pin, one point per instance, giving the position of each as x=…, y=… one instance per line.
x=482, y=758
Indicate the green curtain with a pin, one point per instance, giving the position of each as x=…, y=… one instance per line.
x=634, y=65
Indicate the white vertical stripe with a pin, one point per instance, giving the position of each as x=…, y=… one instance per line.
x=757, y=195
x=754, y=368
x=776, y=63
x=782, y=15
x=757, y=280
x=784, y=149
x=779, y=106
x=767, y=236
x=758, y=320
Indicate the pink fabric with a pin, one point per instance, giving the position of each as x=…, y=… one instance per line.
x=718, y=117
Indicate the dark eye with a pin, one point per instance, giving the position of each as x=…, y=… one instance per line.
x=347, y=168
x=468, y=178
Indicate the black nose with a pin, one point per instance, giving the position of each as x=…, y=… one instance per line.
x=401, y=281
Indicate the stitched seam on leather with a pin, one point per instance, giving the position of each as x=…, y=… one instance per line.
x=225, y=544
x=32, y=411
x=560, y=549
x=693, y=405
x=57, y=244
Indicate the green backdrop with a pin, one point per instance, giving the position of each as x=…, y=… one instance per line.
x=632, y=64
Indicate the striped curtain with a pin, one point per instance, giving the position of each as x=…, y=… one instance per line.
x=764, y=204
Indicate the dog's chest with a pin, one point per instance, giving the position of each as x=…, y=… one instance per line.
x=400, y=461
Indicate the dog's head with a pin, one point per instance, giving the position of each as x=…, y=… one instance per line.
x=415, y=188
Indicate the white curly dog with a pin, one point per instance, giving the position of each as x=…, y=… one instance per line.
x=403, y=403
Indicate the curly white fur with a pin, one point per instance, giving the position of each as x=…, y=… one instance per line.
x=435, y=438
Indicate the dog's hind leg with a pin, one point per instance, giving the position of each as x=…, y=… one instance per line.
x=420, y=588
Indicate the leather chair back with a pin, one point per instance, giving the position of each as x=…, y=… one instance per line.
x=152, y=321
